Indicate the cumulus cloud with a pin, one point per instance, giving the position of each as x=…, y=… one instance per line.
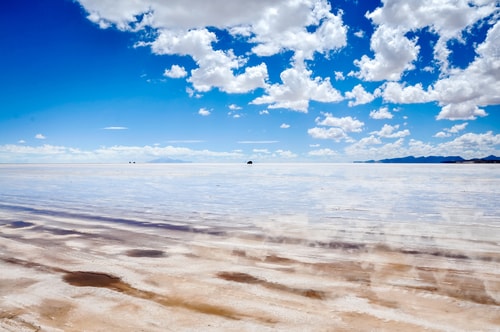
x=304, y=27
x=257, y=142
x=461, y=99
x=359, y=95
x=284, y=126
x=336, y=134
x=339, y=76
x=118, y=153
x=305, y=30
x=40, y=136
x=339, y=127
x=322, y=153
x=204, y=112
x=446, y=18
x=469, y=145
x=364, y=149
x=347, y=124
x=297, y=89
x=401, y=94
x=389, y=131
x=284, y=28
x=175, y=71
x=394, y=54
x=234, y=107
x=285, y=154
x=265, y=151
x=462, y=111
x=447, y=132
x=215, y=67
x=382, y=113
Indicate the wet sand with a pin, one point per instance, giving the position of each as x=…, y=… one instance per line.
x=69, y=273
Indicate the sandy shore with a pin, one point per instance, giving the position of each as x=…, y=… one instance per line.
x=62, y=273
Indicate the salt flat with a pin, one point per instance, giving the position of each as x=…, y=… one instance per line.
x=334, y=248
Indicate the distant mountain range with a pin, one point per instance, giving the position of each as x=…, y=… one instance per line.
x=436, y=160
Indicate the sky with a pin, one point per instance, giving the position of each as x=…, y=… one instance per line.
x=263, y=80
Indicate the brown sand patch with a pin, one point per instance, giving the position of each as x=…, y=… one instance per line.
x=239, y=253
x=465, y=287
x=151, y=253
x=96, y=279
x=56, y=310
x=356, y=321
x=241, y=277
x=279, y=259
x=347, y=270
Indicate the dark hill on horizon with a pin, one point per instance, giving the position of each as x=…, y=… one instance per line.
x=436, y=160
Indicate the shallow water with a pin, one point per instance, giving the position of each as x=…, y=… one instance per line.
x=250, y=247
x=315, y=196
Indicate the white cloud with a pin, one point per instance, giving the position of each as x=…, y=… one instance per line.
x=389, y=131
x=339, y=127
x=401, y=94
x=297, y=89
x=347, y=124
x=359, y=95
x=234, y=107
x=339, y=76
x=323, y=153
x=447, y=132
x=283, y=27
x=462, y=111
x=469, y=145
x=359, y=33
x=215, y=67
x=264, y=112
x=40, y=136
x=394, y=54
x=271, y=26
x=115, y=128
x=461, y=100
x=265, y=151
x=336, y=134
x=365, y=150
x=285, y=154
x=233, y=111
x=21, y=141
x=204, y=112
x=119, y=153
x=175, y=71
x=446, y=18
x=456, y=128
x=285, y=126
x=382, y=113
x=257, y=142
x=442, y=134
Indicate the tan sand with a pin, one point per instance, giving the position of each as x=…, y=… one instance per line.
x=68, y=274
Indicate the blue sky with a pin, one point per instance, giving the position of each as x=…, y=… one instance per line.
x=267, y=80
